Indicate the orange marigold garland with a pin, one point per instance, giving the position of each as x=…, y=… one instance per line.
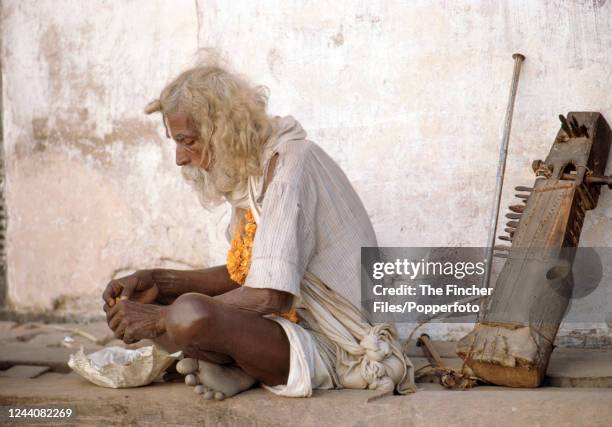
x=239, y=256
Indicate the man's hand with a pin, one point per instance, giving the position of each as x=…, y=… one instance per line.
x=139, y=287
x=132, y=321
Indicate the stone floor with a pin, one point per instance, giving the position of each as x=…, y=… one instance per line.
x=34, y=372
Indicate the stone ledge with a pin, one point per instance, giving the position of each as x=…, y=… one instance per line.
x=176, y=404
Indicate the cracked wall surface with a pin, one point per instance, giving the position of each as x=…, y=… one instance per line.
x=92, y=189
x=409, y=98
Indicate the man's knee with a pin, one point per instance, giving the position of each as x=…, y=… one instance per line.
x=189, y=318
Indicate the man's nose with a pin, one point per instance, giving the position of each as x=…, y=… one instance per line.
x=182, y=157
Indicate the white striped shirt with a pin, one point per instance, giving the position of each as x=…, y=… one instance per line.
x=311, y=220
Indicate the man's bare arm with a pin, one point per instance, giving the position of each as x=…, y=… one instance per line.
x=258, y=300
x=164, y=286
x=132, y=321
x=174, y=283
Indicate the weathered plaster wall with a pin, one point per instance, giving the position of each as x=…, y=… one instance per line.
x=408, y=97
x=92, y=189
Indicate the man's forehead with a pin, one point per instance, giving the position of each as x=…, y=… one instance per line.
x=179, y=123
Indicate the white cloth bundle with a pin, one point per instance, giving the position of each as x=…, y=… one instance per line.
x=117, y=367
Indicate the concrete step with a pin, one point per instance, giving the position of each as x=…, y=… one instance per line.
x=177, y=404
x=568, y=367
x=24, y=371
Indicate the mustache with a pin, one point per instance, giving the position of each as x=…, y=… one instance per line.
x=204, y=183
x=194, y=173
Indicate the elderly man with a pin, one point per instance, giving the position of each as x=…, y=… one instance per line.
x=283, y=311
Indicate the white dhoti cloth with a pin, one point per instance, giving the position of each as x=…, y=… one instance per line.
x=337, y=349
x=307, y=368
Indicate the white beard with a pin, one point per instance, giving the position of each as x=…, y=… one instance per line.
x=201, y=181
x=213, y=187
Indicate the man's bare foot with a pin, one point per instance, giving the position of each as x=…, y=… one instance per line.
x=214, y=381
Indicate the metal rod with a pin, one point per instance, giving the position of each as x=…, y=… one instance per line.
x=501, y=167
